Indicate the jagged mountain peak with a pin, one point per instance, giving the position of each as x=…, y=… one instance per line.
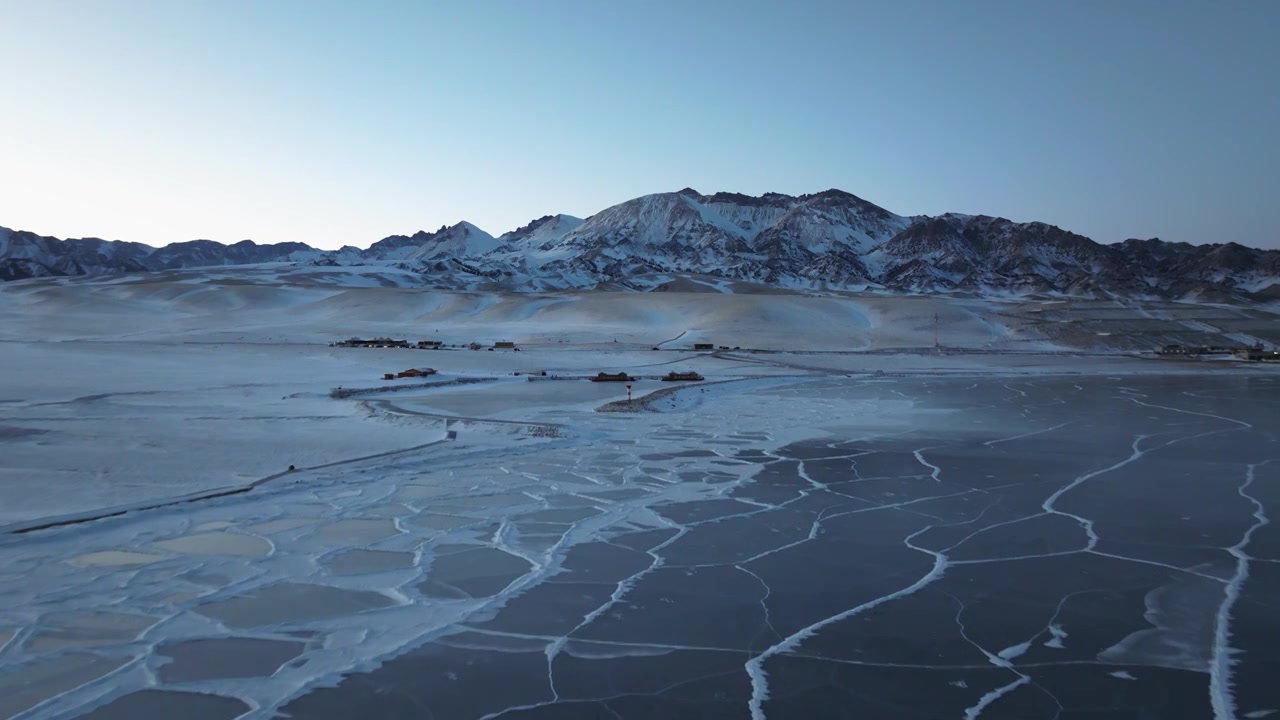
x=733, y=198
x=424, y=237
x=465, y=226
x=1230, y=255
x=462, y=239
x=674, y=222
x=542, y=230
x=836, y=195
x=533, y=225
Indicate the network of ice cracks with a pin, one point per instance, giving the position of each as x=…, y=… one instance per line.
x=107, y=600
x=325, y=573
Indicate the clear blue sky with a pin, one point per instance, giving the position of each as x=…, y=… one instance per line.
x=338, y=122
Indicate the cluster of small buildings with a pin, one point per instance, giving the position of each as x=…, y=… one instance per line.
x=410, y=373
x=690, y=376
x=612, y=377
x=500, y=345
x=672, y=376
x=384, y=342
x=705, y=347
x=1255, y=353
x=1194, y=350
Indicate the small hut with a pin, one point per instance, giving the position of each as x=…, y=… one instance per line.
x=1257, y=354
x=674, y=376
x=612, y=377
x=416, y=372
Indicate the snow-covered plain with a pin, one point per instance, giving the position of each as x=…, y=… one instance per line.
x=128, y=392
x=132, y=388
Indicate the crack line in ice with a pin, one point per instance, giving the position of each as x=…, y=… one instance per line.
x=1053, y=628
x=972, y=712
x=602, y=700
x=804, y=474
x=927, y=666
x=1085, y=522
x=822, y=516
x=1156, y=563
x=986, y=561
x=1000, y=660
x=1137, y=454
x=764, y=601
x=1027, y=435
x=624, y=585
x=937, y=471
x=755, y=666
x=1220, y=664
x=1191, y=412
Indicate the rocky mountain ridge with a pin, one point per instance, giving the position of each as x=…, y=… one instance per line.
x=821, y=241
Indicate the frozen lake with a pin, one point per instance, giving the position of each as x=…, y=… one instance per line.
x=1056, y=547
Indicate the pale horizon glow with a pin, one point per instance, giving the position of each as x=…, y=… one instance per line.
x=336, y=123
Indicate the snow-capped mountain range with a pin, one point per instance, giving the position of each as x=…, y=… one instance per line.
x=831, y=240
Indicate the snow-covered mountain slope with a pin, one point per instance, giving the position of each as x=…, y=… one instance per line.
x=827, y=240
x=25, y=255
x=459, y=241
x=546, y=229
x=203, y=253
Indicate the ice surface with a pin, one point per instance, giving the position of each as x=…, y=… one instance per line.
x=359, y=562
x=275, y=526
x=632, y=550
x=224, y=658
x=114, y=558
x=290, y=602
x=217, y=543
x=169, y=704
x=474, y=572
x=432, y=521
x=954, y=536
x=213, y=525
x=356, y=531
x=88, y=630
x=25, y=686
